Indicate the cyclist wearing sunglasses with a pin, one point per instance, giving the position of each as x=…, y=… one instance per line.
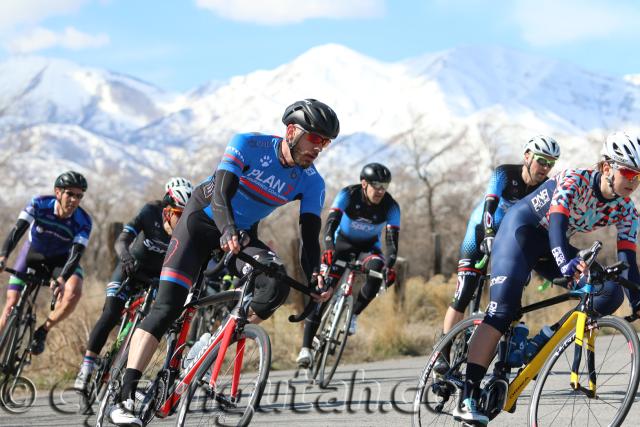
x=508, y=184
x=256, y=174
x=358, y=215
x=58, y=235
x=141, y=247
x=538, y=227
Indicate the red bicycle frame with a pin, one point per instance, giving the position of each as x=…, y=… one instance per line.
x=224, y=336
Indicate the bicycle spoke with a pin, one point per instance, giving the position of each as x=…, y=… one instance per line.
x=206, y=405
x=616, y=381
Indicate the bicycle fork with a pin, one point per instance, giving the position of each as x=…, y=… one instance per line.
x=577, y=356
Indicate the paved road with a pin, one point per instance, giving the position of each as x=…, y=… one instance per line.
x=292, y=401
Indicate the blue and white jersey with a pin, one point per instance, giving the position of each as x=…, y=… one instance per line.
x=50, y=234
x=507, y=186
x=265, y=183
x=363, y=222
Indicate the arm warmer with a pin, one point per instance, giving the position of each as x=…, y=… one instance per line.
x=122, y=244
x=391, y=245
x=490, y=207
x=558, y=226
x=15, y=234
x=331, y=225
x=310, y=225
x=226, y=186
x=73, y=261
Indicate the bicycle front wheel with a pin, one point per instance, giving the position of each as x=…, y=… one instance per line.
x=437, y=393
x=336, y=340
x=205, y=406
x=7, y=343
x=616, y=364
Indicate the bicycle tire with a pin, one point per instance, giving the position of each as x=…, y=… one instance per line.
x=6, y=342
x=445, y=388
x=321, y=336
x=626, y=341
x=262, y=344
x=113, y=386
x=338, y=336
x=20, y=353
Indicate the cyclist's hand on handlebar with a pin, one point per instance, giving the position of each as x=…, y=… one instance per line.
x=389, y=276
x=487, y=245
x=574, y=269
x=57, y=286
x=324, y=292
x=229, y=241
x=3, y=262
x=128, y=265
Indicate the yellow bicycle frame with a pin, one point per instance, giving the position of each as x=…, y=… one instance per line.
x=577, y=320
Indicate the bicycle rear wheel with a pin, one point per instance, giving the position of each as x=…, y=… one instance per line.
x=340, y=318
x=204, y=406
x=616, y=366
x=437, y=395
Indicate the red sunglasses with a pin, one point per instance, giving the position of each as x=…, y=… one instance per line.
x=314, y=138
x=628, y=174
x=168, y=211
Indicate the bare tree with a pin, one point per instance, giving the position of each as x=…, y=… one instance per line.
x=423, y=160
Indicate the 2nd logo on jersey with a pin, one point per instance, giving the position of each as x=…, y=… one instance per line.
x=265, y=161
x=540, y=200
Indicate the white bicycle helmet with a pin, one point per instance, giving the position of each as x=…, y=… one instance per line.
x=178, y=196
x=544, y=145
x=177, y=181
x=623, y=148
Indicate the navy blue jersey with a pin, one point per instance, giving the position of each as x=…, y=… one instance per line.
x=363, y=222
x=151, y=240
x=506, y=185
x=265, y=183
x=50, y=234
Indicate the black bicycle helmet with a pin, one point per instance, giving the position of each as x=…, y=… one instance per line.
x=71, y=179
x=313, y=116
x=375, y=172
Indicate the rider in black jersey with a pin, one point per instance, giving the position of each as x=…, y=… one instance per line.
x=141, y=247
x=354, y=226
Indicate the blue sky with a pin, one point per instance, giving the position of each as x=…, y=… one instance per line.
x=179, y=45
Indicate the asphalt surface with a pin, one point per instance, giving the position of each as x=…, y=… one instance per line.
x=371, y=394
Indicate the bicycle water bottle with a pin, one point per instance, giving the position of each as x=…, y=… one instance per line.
x=197, y=347
x=517, y=344
x=536, y=343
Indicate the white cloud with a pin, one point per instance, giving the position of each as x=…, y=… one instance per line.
x=42, y=38
x=274, y=12
x=14, y=13
x=551, y=22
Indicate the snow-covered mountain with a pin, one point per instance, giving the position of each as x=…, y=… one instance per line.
x=55, y=114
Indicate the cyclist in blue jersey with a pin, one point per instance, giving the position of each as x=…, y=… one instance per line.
x=539, y=227
x=508, y=184
x=58, y=236
x=141, y=247
x=257, y=174
x=359, y=214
